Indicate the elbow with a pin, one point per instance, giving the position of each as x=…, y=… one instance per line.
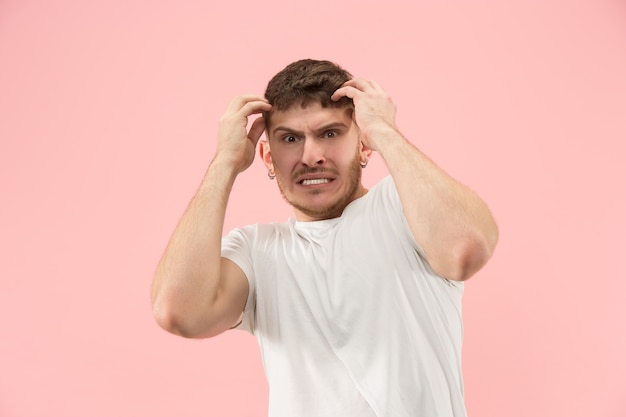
x=170, y=321
x=176, y=312
x=176, y=321
x=470, y=255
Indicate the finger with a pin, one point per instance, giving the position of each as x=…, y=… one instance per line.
x=365, y=85
x=357, y=85
x=346, y=91
x=255, y=107
x=238, y=102
x=256, y=130
x=360, y=83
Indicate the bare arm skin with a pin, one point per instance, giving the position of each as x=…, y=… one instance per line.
x=451, y=223
x=195, y=292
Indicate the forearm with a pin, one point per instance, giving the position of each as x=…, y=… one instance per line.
x=450, y=221
x=186, y=281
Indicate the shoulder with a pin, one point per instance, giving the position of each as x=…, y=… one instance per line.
x=247, y=245
x=384, y=210
x=254, y=233
x=386, y=187
x=383, y=196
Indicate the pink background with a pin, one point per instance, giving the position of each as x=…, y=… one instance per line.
x=108, y=114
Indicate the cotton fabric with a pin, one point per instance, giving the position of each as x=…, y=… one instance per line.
x=349, y=316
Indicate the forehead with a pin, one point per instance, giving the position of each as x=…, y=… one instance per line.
x=309, y=117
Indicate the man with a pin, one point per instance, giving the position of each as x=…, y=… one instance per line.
x=356, y=303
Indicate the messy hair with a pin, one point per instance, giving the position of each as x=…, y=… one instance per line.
x=307, y=81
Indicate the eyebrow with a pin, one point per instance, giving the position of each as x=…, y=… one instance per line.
x=323, y=128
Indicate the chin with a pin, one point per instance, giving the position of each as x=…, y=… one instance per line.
x=323, y=211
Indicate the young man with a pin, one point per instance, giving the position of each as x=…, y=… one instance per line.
x=356, y=303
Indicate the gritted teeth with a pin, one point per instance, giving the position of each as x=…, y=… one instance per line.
x=315, y=181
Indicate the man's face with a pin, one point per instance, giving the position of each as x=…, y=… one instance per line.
x=315, y=153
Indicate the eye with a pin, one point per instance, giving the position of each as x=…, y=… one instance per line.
x=289, y=139
x=330, y=134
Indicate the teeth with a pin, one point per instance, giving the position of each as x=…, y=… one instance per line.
x=315, y=181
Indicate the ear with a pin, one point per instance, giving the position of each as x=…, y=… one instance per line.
x=266, y=154
x=365, y=152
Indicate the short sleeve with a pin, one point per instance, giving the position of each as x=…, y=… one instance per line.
x=391, y=195
x=236, y=247
x=391, y=199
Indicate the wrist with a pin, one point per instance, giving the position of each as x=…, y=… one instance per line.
x=381, y=137
x=222, y=170
x=228, y=163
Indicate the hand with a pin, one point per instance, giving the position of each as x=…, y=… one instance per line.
x=374, y=112
x=235, y=144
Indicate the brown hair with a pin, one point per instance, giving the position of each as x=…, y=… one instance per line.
x=304, y=82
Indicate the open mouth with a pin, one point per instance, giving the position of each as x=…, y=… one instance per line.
x=315, y=181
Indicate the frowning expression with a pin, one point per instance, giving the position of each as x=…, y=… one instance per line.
x=315, y=153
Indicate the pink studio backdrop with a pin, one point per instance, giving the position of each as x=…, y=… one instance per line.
x=108, y=114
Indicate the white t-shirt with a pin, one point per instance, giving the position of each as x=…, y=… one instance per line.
x=350, y=318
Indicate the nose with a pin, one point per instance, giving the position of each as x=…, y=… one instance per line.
x=313, y=152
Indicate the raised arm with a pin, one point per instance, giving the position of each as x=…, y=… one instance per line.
x=195, y=292
x=451, y=223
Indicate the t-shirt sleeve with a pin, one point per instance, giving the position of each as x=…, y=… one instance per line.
x=390, y=195
x=236, y=247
